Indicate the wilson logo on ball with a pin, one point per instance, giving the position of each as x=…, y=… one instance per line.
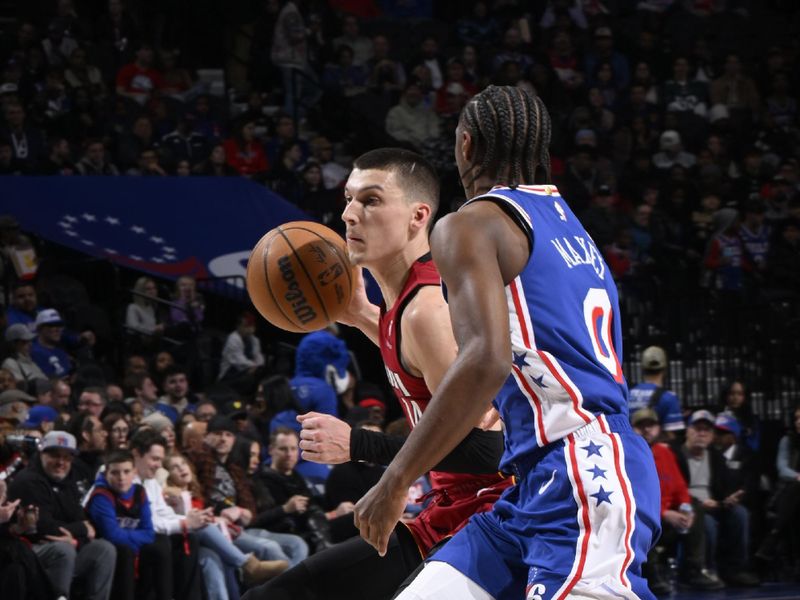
x=294, y=295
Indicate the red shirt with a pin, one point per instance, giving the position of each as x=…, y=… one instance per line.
x=247, y=160
x=139, y=80
x=674, y=491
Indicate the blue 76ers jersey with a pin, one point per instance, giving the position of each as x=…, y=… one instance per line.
x=564, y=324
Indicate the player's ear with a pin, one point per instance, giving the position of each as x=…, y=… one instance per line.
x=467, y=149
x=421, y=215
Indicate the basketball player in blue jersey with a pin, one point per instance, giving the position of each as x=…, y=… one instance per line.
x=535, y=316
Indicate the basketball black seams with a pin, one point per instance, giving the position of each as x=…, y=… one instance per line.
x=265, y=265
x=299, y=302
x=343, y=260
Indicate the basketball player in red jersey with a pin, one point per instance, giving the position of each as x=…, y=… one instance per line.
x=392, y=197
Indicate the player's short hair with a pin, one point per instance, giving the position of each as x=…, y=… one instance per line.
x=510, y=131
x=414, y=174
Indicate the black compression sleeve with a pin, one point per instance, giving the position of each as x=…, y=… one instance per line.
x=479, y=452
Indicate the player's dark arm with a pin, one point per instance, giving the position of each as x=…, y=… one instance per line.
x=478, y=453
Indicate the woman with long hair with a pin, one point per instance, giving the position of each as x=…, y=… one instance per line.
x=141, y=313
x=734, y=400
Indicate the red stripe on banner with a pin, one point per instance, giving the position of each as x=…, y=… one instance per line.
x=564, y=385
x=587, y=526
x=536, y=402
x=520, y=315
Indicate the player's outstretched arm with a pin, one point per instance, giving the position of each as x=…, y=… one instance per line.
x=361, y=313
x=466, y=248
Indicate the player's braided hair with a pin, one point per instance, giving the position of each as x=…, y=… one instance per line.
x=510, y=132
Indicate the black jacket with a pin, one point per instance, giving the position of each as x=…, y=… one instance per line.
x=722, y=484
x=59, y=502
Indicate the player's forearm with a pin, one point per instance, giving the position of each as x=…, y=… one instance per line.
x=449, y=416
x=367, y=322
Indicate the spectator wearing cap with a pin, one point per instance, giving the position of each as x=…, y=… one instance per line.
x=411, y=121
x=739, y=458
x=652, y=394
x=671, y=152
x=229, y=493
x=681, y=520
x=603, y=51
x=14, y=405
x=242, y=359
x=727, y=522
x=64, y=540
x=41, y=419
x=19, y=363
x=48, y=348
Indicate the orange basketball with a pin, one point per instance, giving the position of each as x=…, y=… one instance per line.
x=299, y=276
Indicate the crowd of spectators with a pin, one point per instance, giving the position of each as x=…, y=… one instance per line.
x=676, y=151
x=676, y=145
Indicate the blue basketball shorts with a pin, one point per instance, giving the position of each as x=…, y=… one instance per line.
x=578, y=524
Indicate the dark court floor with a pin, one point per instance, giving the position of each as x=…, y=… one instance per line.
x=767, y=591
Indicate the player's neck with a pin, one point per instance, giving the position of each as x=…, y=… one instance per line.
x=391, y=276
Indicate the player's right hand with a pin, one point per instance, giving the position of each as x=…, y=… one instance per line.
x=324, y=438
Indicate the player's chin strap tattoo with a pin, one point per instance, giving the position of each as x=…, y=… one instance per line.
x=478, y=453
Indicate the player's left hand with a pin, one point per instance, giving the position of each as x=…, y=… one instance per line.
x=377, y=513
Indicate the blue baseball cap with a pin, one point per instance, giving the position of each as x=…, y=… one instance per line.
x=38, y=415
x=727, y=422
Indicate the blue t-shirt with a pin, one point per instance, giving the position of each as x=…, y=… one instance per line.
x=668, y=408
x=53, y=362
x=314, y=394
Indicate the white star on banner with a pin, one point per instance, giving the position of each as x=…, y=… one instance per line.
x=168, y=250
x=87, y=242
x=109, y=251
x=155, y=259
x=112, y=220
x=157, y=240
x=134, y=257
x=65, y=224
x=137, y=229
x=89, y=217
x=70, y=218
x=71, y=233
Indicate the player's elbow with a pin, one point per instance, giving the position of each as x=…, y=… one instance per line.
x=489, y=369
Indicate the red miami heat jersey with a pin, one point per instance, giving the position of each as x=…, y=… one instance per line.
x=411, y=391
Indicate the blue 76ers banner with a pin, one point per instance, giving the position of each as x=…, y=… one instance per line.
x=172, y=226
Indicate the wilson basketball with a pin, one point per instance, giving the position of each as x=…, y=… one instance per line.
x=299, y=276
